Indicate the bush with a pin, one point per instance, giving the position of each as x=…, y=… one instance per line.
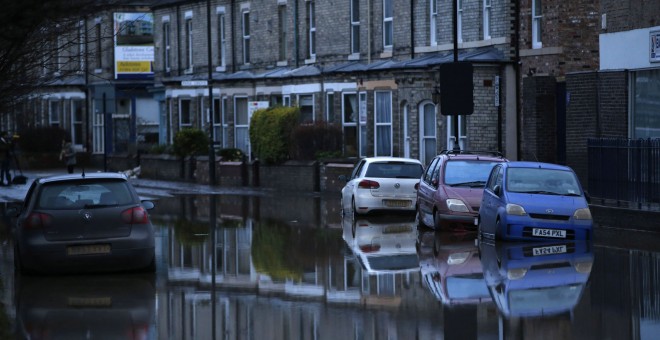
x=191, y=142
x=270, y=133
x=316, y=141
x=231, y=155
x=42, y=139
x=160, y=149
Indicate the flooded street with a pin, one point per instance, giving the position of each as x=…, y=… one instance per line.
x=280, y=267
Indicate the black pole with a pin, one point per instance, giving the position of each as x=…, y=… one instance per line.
x=105, y=138
x=211, y=103
x=456, y=115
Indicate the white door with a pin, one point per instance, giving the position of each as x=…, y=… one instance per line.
x=428, y=132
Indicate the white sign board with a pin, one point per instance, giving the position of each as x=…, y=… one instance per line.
x=654, y=46
x=253, y=106
x=194, y=83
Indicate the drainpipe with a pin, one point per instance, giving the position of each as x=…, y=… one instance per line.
x=178, y=35
x=518, y=79
x=295, y=34
x=233, y=36
x=412, y=30
x=368, y=32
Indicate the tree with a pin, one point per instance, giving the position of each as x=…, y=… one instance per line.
x=42, y=42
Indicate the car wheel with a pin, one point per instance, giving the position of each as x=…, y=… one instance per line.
x=498, y=232
x=354, y=212
x=436, y=220
x=418, y=218
x=151, y=267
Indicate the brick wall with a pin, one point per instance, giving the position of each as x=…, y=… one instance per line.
x=581, y=89
x=291, y=176
x=539, y=120
x=624, y=15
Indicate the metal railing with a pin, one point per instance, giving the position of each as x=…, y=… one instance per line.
x=624, y=170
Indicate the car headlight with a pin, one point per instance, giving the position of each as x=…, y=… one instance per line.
x=456, y=205
x=515, y=274
x=582, y=214
x=458, y=258
x=515, y=209
x=583, y=267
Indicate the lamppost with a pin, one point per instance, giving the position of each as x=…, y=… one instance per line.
x=211, y=103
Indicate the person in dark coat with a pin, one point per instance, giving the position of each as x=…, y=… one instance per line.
x=68, y=154
x=5, y=157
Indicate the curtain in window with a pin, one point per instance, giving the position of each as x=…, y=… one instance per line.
x=383, y=124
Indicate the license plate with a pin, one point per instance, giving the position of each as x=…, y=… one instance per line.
x=549, y=250
x=92, y=249
x=89, y=301
x=556, y=233
x=396, y=229
x=397, y=203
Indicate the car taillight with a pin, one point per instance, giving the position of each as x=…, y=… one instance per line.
x=136, y=215
x=38, y=220
x=368, y=184
x=370, y=248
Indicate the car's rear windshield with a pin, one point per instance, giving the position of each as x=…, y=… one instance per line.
x=394, y=170
x=80, y=194
x=468, y=172
x=536, y=180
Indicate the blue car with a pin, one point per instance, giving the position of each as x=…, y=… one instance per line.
x=534, y=201
x=533, y=279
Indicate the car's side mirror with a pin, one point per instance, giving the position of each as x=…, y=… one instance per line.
x=343, y=178
x=497, y=190
x=148, y=205
x=434, y=182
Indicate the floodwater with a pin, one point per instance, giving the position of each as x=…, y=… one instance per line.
x=290, y=267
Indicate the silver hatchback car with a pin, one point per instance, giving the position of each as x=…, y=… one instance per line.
x=382, y=183
x=91, y=222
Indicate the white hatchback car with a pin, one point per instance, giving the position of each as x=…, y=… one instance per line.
x=382, y=183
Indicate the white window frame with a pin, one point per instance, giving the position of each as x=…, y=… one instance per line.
x=313, y=106
x=282, y=33
x=311, y=17
x=487, y=5
x=422, y=133
x=98, y=130
x=388, y=24
x=459, y=20
x=246, y=126
x=355, y=26
x=330, y=107
x=462, y=134
x=55, y=118
x=346, y=123
x=222, y=38
x=77, y=124
x=167, y=46
x=433, y=22
x=362, y=123
x=245, y=31
x=381, y=124
x=183, y=123
x=537, y=22
x=189, y=45
x=286, y=100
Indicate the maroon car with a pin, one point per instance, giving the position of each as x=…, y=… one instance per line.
x=450, y=189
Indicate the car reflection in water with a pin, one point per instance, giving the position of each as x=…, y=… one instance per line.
x=383, y=244
x=86, y=307
x=536, y=279
x=451, y=268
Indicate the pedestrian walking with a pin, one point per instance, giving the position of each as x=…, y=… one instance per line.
x=5, y=157
x=68, y=154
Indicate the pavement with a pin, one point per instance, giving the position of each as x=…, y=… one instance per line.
x=146, y=188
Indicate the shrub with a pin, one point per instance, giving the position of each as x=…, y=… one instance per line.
x=191, y=142
x=231, y=155
x=270, y=133
x=42, y=139
x=315, y=141
x=160, y=149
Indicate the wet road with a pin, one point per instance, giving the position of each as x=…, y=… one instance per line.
x=248, y=267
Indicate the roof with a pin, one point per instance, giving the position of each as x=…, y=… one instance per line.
x=391, y=159
x=489, y=54
x=539, y=165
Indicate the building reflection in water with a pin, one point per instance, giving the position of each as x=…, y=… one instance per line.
x=256, y=271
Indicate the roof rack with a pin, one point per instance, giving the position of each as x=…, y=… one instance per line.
x=472, y=152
